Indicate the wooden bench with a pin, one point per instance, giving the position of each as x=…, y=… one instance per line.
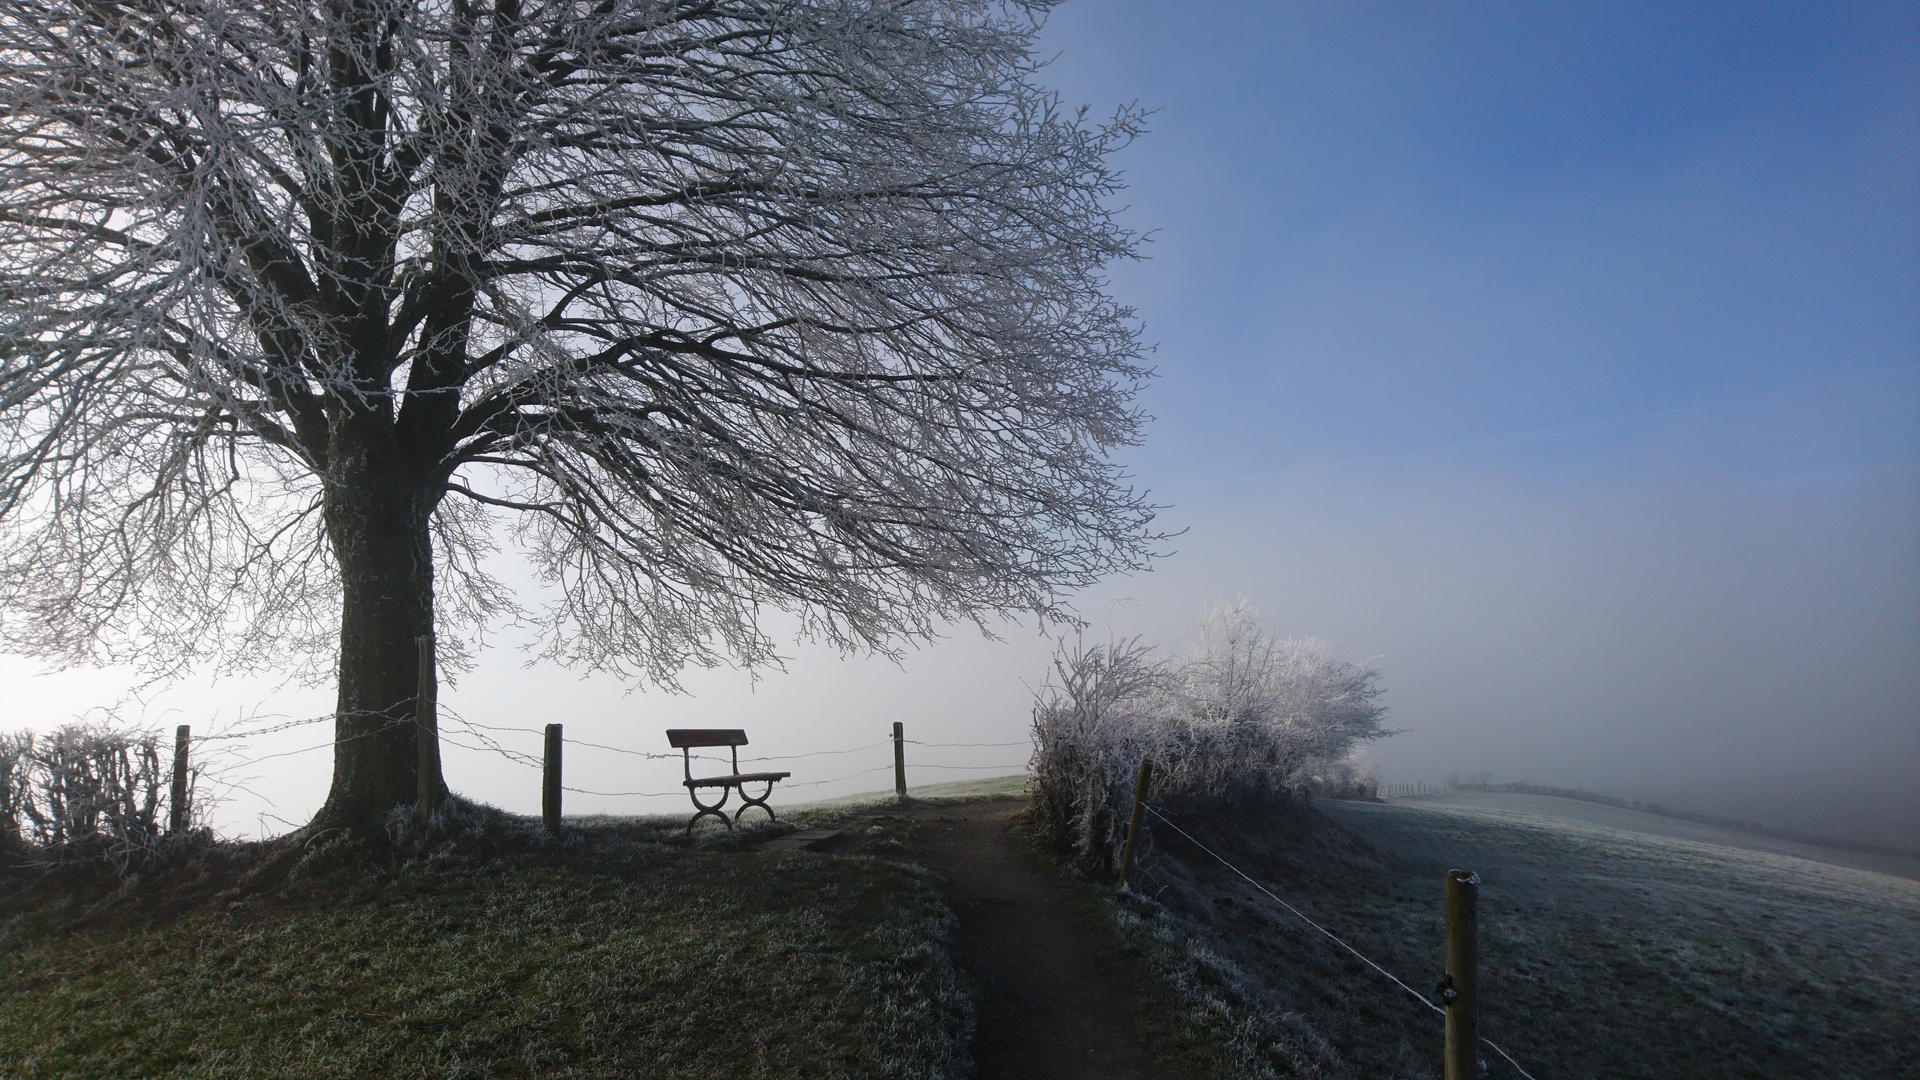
x=686, y=739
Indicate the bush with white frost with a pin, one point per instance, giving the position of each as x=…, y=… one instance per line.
x=1243, y=718
x=84, y=792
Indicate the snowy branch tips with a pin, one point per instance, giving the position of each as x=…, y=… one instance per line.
x=727, y=305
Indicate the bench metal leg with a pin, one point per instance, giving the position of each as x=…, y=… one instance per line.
x=760, y=802
x=711, y=811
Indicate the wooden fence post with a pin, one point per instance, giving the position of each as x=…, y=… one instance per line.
x=1460, y=989
x=550, y=782
x=426, y=722
x=177, y=810
x=899, y=759
x=1133, y=823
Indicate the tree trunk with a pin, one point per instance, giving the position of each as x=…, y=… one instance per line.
x=377, y=508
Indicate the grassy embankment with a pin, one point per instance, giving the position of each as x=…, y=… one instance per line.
x=1605, y=952
x=613, y=955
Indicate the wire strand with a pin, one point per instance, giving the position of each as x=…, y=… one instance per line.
x=817, y=753
x=669, y=756
x=331, y=743
x=954, y=745
x=249, y=733
x=849, y=776
x=1296, y=911
x=1509, y=1057
x=616, y=794
x=635, y=753
x=1422, y=998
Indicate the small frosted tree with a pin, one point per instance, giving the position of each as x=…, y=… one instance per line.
x=723, y=305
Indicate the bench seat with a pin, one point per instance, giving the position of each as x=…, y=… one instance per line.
x=737, y=778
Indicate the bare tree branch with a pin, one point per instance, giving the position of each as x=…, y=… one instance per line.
x=790, y=303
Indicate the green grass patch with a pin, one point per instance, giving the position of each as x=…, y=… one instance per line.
x=613, y=955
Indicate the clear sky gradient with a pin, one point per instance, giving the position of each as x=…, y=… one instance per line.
x=1567, y=356
x=1563, y=357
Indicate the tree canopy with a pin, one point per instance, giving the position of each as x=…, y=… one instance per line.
x=706, y=307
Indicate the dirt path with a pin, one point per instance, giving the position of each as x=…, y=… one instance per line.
x=1051, y=989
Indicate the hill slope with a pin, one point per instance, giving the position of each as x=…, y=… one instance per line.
x=612, y=955
x=1606, y=952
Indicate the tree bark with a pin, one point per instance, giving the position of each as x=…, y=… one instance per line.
x=378, y=507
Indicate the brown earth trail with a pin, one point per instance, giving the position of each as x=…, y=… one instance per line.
x=1055, y=998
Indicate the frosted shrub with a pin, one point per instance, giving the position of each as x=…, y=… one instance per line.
x=1242, y=719
x=13, y=794
x=84, y=791
x=1091, y=724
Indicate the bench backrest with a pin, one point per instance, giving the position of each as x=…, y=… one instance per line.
x=681, y=738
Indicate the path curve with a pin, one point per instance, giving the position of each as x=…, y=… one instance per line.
x=1052, y=991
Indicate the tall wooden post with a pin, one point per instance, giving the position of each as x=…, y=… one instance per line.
x=426, y=722
x=1463, y=1003
x=177, y=810
x=1133, y=823
x=899, y=759
x=550, y=782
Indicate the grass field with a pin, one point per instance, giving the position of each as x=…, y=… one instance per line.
x=1611, y=947
x=611, y=956
x=1606, y=951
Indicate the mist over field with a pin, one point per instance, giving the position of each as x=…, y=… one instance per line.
x=1081, y=538
x=1562, y=362
x=1746, y=654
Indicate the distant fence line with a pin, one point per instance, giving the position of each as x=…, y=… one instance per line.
x=1400, y=791
x=115, y=792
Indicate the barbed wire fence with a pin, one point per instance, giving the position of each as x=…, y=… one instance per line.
x=222, y=766
x=225, y=769
x=1330, y=935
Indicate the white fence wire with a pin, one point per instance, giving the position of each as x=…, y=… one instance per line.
x=1335, y=938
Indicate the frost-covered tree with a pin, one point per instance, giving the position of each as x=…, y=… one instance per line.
x=1241, y=719
x=725, y=306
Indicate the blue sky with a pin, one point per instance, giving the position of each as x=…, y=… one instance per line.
x=1565, y=358
x=1392, y=228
